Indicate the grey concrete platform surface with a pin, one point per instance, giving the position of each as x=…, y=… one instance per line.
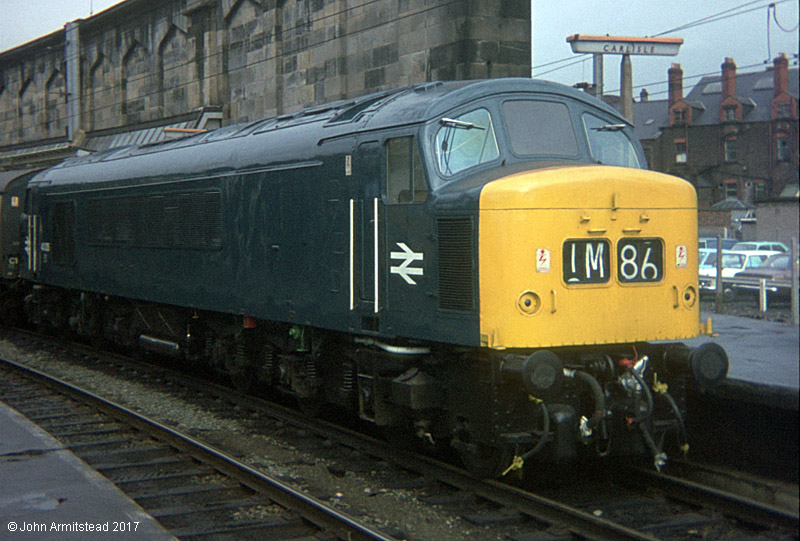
x=46, y=492
x=762, y=352
x=764, y=361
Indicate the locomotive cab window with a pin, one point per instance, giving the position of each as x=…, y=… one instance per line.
x=465, y=141
x=608, y=143
x=539, y=128
x=405, y=179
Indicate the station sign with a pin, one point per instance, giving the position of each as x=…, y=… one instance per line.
x=584, y=43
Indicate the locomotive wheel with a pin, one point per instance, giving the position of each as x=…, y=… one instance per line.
x=243, y=380
x=311, y=406
x=486, y=462
x=400, y=435
x=405, y=434
x=241, y=370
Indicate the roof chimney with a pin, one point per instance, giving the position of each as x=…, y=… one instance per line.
x=644, y=95
x=675, y=77
x=781, y=74
x=728, y=78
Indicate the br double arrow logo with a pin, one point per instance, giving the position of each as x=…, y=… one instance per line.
x=407, y=256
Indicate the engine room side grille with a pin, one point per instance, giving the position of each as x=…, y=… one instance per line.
x=176, y=221
x=456, y=264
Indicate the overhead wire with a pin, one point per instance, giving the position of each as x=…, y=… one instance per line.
x=775, y=16
x=740, y=70
x=722, y=15
x=719, y=16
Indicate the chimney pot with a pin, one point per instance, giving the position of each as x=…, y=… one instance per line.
x=728, y=78
x=675, y=78
x=781, y=74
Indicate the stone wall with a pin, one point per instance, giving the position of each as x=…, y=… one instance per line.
x=145, y=61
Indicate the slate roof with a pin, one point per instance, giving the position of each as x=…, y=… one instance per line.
x=649, y=117
x=755, y=90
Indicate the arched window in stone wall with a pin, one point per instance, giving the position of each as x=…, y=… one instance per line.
x=136, y=83
x=27, y=110
x=177, y=89
x=55, y=109
x=251, y=32
x=6, y=108
x=99, y=95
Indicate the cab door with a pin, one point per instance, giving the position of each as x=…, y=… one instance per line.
x=409, y=234
x=366, y=211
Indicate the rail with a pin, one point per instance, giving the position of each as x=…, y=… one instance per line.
x=331, y=521
x=605, y=515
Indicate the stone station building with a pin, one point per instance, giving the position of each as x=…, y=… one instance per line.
x=125, y=74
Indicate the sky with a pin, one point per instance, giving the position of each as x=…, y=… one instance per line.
x=746, y=30
x=740, y=31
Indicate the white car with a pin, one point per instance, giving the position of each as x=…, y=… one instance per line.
x=706, y=258
x=732, y=262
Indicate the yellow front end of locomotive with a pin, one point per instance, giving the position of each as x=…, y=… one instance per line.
x=587, y=255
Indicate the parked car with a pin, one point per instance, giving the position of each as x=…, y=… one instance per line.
x=706, y=258
x=776, y=269
x=761, y=245
x=732, y=263
x=711, y=242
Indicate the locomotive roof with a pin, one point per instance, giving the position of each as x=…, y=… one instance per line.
x=291, y=138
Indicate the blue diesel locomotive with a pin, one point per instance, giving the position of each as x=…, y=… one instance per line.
x=484, y=264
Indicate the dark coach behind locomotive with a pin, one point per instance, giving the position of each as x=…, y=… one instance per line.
x=407, y=254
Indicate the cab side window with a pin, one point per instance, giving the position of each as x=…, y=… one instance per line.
x=608, y=143
x=405, y=178
x=465, y=141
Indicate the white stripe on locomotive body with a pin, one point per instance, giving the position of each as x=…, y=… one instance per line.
x=376, y=260
x=34, y=244
x=352, y=255
x=28, y=243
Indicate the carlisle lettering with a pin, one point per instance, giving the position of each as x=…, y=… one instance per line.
x=632, y=48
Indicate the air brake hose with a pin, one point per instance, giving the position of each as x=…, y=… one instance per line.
x=597, y=417
x=645, y=390
x=681, y=425
x=597, y=392
x=659, y=456
x=545, y=432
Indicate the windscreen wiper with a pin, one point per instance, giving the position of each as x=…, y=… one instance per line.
x=610, y=127
x=460, y=124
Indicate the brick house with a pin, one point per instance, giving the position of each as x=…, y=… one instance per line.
x=734, y=136
x=719, y=134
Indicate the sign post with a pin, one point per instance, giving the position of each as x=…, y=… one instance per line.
x=625, y=46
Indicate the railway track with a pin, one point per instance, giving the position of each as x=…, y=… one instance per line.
x=190, y=488
x=630, y=505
